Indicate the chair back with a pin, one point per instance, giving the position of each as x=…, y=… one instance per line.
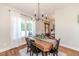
x=33, y=48
x=57, y=44
x=28, y=41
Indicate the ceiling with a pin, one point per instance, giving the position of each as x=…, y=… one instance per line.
x=31, y=8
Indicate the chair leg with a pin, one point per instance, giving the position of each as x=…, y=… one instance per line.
x=56, y=54
x=27, y=50
x=45, y=53
x=32, y=53
x=49, y=53
x=53, y=54
x=36, y=54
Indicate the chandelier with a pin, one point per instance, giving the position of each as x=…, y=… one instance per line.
x=39, y=16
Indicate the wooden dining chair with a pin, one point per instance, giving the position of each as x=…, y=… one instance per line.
x=34, y=49
x=55, y=49
x=28, y=44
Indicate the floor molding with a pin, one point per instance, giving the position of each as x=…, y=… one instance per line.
x=68, y=51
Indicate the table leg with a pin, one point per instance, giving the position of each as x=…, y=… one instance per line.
x=45, y=53
x=42, y=53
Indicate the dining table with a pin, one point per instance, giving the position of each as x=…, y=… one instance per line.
x=45, y=45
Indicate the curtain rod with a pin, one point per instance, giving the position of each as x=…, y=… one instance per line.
x=21, y=14
x=25, y=15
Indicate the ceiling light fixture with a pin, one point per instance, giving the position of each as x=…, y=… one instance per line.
x=40, y=16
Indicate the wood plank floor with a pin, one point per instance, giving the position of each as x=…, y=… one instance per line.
x=15, y=51
x=69, y=52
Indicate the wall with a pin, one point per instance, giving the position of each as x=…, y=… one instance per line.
x=67, y=27
x=4, y=28
x=40, y=27
x=5, y=38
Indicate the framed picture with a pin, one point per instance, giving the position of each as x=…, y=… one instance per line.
x=78, y=18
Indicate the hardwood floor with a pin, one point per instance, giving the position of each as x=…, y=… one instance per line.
x=69, y=52
x=15, y=51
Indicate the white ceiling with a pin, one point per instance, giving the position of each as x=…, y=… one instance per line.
x=30, y=8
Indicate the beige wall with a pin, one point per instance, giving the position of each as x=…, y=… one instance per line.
x=40, y=28
x=4, y=28
x=67, y=27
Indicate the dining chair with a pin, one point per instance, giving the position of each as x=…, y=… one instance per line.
x=55, y=49
x=34, y=50
x=28, y=44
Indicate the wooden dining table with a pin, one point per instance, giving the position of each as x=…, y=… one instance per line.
x=43, y=45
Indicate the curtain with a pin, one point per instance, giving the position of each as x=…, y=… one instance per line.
x=15, y=25
x=15, y=28
x=34, y=28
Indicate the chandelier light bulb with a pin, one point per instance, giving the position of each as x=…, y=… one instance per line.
x=39, y=16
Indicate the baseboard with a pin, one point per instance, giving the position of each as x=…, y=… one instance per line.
x=12, y=51
x=2, y=50
x=8, y=48
x=68, y=50
x=77, y=49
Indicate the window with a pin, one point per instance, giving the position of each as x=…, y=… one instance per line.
x=29, y=28
x=21, y=26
